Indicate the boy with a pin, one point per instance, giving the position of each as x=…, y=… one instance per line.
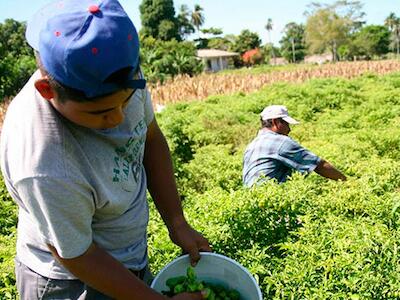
x=79, y=147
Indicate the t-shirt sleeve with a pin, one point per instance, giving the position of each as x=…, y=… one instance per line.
x=148, y=107
x=295, y=156
x=63, y=210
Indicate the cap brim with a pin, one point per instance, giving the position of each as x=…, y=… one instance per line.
x=290, y=120
x=136, y=84
x=37, y=23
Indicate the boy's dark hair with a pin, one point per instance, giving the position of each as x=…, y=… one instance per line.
x=66, y=93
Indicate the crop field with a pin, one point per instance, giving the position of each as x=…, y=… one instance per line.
x=309, y=238
x=250, y=80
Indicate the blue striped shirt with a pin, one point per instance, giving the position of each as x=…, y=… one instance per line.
x=275, y=155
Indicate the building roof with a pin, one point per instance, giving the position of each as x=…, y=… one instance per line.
x=209, y=53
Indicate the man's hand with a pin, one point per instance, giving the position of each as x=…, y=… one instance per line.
x=191, y=241
x=326, y=170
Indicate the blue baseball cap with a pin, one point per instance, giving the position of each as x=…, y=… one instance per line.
x=82, y=42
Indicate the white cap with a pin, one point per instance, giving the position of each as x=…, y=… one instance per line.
x=275, y=112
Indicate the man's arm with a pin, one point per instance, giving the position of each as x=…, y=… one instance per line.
x=325, y=169
x=162, y=187
x=104, y=273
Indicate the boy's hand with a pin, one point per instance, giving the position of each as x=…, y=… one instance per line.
x=191, y=241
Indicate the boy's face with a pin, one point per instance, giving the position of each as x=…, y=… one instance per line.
x=104, y=113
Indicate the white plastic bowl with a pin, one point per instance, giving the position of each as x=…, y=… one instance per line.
x=212, y=268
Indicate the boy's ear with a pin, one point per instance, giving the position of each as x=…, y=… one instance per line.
x=43, y=87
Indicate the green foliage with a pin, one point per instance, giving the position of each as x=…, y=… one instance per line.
x=216, y=165
x=185, y=26
x=8, y=289
x=246, y=40
x=214, y=41
x=190, y=283
x=16, y=58
x=220, y=43
x=14, y=73
x=370, y=41
x=309, y=238
x=393, y=24
x=158, y=19
x=12, y=39
x=8, y=221
x=8, y=216
x=197, y=16
x=329, y=26
x=161, y=60
x=293, y=42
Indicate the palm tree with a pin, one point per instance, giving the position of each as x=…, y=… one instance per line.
x=197, y=17
x=393, y=23
x=268, y=27
x=390, y=21
x=185, y=26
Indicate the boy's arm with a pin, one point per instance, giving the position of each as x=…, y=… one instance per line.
x=104, y=273
x=162, y=186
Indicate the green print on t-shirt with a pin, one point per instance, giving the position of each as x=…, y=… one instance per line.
x=128, y=157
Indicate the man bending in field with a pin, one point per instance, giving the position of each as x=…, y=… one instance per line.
x=80, y=146
x=272, y=154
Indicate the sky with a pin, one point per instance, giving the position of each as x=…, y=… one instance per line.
x=232, y=16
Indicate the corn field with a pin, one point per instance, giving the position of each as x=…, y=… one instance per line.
x=185, y=88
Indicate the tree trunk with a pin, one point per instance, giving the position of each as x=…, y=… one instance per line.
x=293, y=51
x=334, y=51
x=272, y=48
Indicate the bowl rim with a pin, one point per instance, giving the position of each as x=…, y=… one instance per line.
x=185, y=256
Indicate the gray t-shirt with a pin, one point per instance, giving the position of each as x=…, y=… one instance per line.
x=75, y=185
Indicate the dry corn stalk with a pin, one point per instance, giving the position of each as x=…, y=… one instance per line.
x=185, y=88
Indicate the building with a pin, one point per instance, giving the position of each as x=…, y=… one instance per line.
x=318, y=59
x=278, y=61
x=215, y=60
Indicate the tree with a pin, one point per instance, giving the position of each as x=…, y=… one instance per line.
x=221, y=43
x=372, y=40
x=197, y=17
x=12, y=39
x=161, y=60
x=252, y=57
x=268, y=27
x=17, y=61
x=293, y=47
x=215, y=41
x=212, y=30
x=329, y=26
x=158, y=19
x=246, y=40
x=393, y=23
x=184, y=25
